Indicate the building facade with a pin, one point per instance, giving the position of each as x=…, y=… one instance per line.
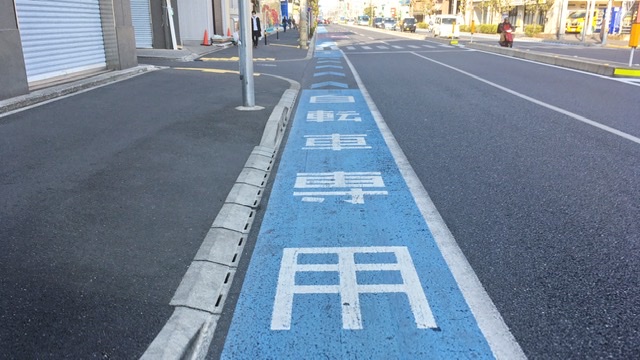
x=551, y=15
x=44, y=41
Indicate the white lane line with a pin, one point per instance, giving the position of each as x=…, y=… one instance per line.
x=401, y=52
x=496, y=332
x=634, y=82
x=541, y=103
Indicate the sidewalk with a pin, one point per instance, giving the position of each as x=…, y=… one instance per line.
x=568, y=39
x=189, y=51
x=584, y=62
x=110, y=195
x=192, y=50
x=210, y=275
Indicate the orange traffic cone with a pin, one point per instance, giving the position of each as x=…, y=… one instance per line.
x=228, y=32
x=205, y=41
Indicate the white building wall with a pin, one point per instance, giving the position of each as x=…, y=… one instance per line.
x=195, y=16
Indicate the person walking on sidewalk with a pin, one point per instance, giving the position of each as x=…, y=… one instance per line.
x=284, y=23
x=256, y=30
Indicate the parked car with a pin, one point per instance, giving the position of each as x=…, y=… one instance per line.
x=377, y=23
x=408, y=24
x=389, y=24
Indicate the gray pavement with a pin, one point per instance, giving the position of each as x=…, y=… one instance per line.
x=193, y=320
x=189, y=51
x=588, y=61
x=611, y=60
x=111, y=195
x=193, y=50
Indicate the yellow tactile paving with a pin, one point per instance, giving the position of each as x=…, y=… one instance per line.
x=626, y=72
x=216, y=71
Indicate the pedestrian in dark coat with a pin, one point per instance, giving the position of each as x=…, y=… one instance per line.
x=256, y=30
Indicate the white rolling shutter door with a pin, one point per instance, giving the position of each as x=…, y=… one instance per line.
x=60, y=37
x=141, y=18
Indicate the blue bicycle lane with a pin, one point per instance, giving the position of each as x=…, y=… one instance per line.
x=345, y=266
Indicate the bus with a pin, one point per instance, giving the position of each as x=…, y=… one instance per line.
x=363, y=20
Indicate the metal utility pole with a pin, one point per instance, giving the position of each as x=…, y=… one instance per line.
x=605, y=23
x=304, y=24
x=592, y=13
x=245, y=53
x=587, y=22
x=563, y=7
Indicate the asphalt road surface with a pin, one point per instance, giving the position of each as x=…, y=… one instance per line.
x=527, y=167
x=533, y=168
x=105, y=198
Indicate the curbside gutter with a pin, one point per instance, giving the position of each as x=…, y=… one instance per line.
x=200, y=297
x=557, y=60
x=54, y=92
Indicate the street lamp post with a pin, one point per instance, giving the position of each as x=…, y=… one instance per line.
x=245, y=55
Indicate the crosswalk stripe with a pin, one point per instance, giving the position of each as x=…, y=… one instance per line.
x=385, y=47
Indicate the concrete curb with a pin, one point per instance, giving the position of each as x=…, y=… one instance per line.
x=576, y=64
x=278, y=120
x=201, y=295
x=41, y=96
x=562, y=61
x=217, y=48
x=557, y=60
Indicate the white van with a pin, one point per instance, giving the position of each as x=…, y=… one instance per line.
x=443, y=25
